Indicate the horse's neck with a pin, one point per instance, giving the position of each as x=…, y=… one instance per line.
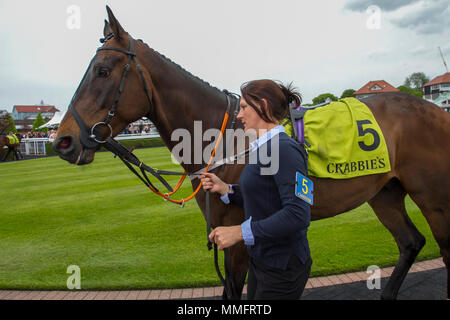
x=180, y=99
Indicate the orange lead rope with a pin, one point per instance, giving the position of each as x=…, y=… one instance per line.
x=166, y=196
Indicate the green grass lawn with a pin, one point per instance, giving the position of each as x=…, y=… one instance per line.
x=103, y=219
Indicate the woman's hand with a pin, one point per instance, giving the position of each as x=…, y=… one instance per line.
x=226, y=237
x=213, y=183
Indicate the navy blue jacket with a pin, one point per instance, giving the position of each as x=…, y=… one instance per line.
x=280, y=219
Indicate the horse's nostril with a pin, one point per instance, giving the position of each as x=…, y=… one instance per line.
x=65, y=143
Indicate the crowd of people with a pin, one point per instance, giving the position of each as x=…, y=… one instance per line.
x=51, y=134
x=132, y=129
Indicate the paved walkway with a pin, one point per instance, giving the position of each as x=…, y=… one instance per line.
x=429, y=275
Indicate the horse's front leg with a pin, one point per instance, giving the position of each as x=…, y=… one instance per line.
x=20, y=154
x=239, y=267
x=228, y=215
x=232, y=216
x=6, y=155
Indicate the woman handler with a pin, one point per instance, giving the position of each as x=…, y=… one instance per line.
x=275, y=230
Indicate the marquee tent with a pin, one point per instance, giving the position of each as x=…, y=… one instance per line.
x=54, y=122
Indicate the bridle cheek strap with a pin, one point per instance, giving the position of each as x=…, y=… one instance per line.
x=85, y=132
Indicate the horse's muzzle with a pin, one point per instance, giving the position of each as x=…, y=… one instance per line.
x=66, y=149
x=72, y=152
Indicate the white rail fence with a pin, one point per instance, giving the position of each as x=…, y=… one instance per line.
x=33, y=147
x=36, y=146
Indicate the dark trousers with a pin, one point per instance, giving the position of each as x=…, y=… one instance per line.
x=267, y=283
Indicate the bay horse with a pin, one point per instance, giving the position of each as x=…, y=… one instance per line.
x=416, y=132
x=12, y=147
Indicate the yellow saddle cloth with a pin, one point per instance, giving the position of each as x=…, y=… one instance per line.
x=346, y=141
x=13, y=139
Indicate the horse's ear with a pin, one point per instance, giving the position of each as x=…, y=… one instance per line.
x=107, y=29
x=114, y=25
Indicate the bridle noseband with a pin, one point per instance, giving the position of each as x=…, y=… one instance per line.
x=91, y=137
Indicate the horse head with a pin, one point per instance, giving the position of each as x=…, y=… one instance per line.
x=114, y=92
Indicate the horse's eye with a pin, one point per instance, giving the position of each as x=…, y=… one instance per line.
x=103, y=72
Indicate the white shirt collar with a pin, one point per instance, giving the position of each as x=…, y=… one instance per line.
x=266, y=137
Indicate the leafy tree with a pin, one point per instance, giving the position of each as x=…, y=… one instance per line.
x=348, y=93
x=416, y=80
x=39, y=122
x=323, y=97
x=417, y=93
x=7, y=124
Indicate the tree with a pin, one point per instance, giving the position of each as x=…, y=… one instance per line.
x=417, y=93
x=7, y=124
x=348, y=93
x=39, y=122
x=323, y=97
x=416, y=80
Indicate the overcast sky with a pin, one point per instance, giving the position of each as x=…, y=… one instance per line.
x=322, y=46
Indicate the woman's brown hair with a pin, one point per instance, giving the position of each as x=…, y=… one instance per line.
x=278, y=96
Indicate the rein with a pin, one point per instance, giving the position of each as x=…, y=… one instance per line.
x=91, y=138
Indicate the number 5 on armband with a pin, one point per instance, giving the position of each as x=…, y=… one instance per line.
x=304, y=188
